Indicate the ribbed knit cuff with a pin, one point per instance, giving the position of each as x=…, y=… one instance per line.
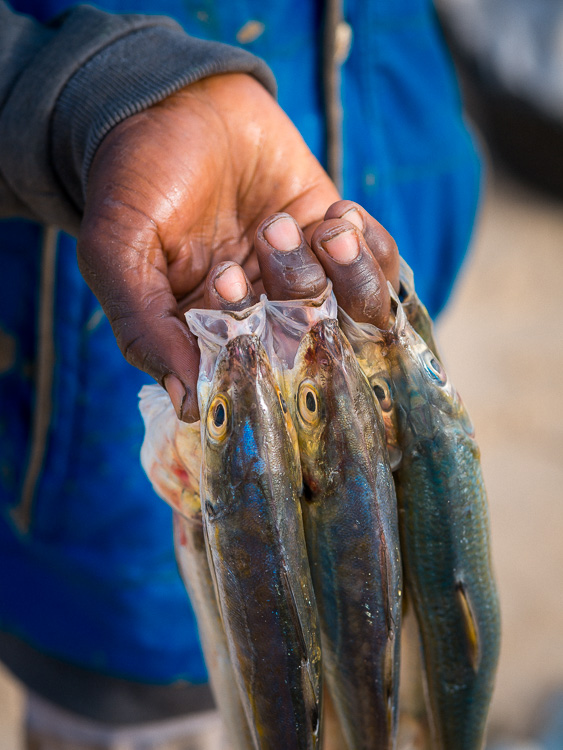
x=71, y=81
x=61, y=49
x=127, y=77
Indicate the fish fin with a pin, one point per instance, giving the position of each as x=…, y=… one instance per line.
x=406, y=278
x=395, y=456
x=469, y=625
x=308, y=678
x=400, y=318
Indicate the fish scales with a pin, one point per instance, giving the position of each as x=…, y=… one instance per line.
x=251, y=487
x=351, y=531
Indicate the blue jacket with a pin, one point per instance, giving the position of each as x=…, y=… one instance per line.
x=93, y=580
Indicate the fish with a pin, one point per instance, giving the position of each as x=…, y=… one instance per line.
x=250, y=495
x=350, y=517
x=413, y=726
x=444, y=527
x=171, y=456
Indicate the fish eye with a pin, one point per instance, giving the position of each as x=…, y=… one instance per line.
x=433, y=367
x=308, y=402
x=382, y=393
x=218, y=418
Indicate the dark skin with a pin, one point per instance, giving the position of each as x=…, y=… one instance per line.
x=358, y=279
x=185, y=185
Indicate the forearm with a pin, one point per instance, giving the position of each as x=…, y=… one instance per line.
x=65, y=85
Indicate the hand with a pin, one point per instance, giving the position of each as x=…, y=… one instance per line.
x=349, y=247
x=176, y=189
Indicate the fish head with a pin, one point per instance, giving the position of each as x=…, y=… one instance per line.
x=248, y=432
x=424, y=394
x=372, y=356
x=336, y=414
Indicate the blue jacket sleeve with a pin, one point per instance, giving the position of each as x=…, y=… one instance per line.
x=64, y=85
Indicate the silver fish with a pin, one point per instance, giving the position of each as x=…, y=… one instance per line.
x=250, y=493
x=444, y=527
x=351, y=530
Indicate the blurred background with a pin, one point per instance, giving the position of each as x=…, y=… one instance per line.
x=501, y=337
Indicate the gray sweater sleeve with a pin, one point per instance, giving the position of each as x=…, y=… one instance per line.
x=64, y=85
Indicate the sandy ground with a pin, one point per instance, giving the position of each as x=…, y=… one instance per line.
x=501, y=338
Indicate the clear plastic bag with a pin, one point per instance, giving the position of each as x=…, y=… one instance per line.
x=415, y=311
x=214, y=329
x=289, y=320
x=171, y=452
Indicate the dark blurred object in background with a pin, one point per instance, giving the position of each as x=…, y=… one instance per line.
x=509, y=55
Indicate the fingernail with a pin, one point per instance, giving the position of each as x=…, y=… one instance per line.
x=283, y=234
x=231, y=284
x=177, y=393
x=343, y=247
x=354, y=217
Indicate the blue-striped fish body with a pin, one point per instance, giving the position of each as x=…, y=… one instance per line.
x=250, y=492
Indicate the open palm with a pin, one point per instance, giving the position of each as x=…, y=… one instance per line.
x=176, y=189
